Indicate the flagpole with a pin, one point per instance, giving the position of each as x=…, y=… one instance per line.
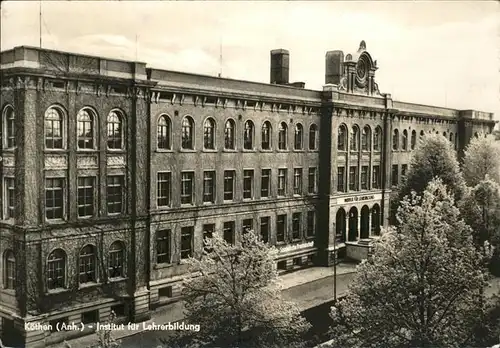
x=40, y=22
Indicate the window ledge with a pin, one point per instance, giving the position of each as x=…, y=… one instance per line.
x=313, y=150
x=249, y=150
x=229, y=150
x=164, y=150
x=310, y=237
x=87, y=151
x=115, y=150
x=210, y=150
x=299, y=150
x=9, y=291
x=283, y=150
x=187, y=150
x=163, y=207
x=88, y=285
x=58, y=151
x=162, y=265
x=56, y=291
x=187, y=205
x=266, y=150
x=9, y=150
x=55, y=221
x=117, y=279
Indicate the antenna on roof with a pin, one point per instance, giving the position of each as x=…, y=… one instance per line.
x=136, y=45
x=220, y=58
x=40, y=22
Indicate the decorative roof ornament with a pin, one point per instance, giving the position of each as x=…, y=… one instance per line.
x=362, y=46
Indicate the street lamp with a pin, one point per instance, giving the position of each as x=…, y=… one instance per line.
x=334, y=263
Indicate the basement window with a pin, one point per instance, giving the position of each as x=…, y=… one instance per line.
x=282, y=265
x=90, y=317
x=165, y=292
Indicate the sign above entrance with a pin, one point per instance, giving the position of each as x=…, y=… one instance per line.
x=359, y=199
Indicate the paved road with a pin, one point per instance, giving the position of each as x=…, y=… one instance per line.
x=306, y=296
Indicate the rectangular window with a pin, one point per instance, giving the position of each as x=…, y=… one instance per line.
x=187, y=242
x=364, y=177
x=297, y=181
x=247, y=184
x=229, y=185
x=228, y=232
x=265, y=183
x=404, y=169
x=208, y=233
x=85, y=197
x=280, y=228
x=340, y=179
x=296, y=225
x=164, y=189
x=264, y=228
x=394, y=175
x=209, y=187
x=282, y=173
x=187, y=187
x=163, y=246
x=376, y=177
x=115, y=194
x=353, y=178
x=311, y=224
x=247, y=225
x=312, y=180
x=10, y=198
x=54, y=198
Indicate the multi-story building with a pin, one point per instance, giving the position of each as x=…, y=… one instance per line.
x=113, y=173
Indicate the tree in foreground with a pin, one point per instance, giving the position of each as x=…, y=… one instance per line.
x=236, y=298
x=423, y=287
x=481, y=159
x=433, y=158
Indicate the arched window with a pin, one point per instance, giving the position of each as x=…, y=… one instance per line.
x=209, y=134
x=476, y=135
x=87, y=265
x=10, y=270
x=248, y=136
x=115, y=131
x=366, y=136
x=395, y=140
x=282, y=136
x=355, y=138
x=342, y=138
x=164, y=133
x=313, y=132
x=377, y=139
x=85, y=129
x=116, y=260
x=451, y=137
x=10, y=127
x=56, y=269
x=405, y=140
x=299, y=133
x=187, y=142
x=229, y=135
x=422, y=133
x=266, y=136
x=413, y=139
x=445, y=135
x=456, y=141
x=53, y=129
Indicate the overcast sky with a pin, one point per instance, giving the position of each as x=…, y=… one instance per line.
x=439, y=53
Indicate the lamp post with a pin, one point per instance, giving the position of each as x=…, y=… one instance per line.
x=334, y=263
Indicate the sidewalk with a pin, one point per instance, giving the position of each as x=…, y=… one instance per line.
x=175, y=311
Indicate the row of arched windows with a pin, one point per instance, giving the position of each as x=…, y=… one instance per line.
x=164, y=139
x=56, y=272
x=54, y=124
x=401, y=142
x=356, y=139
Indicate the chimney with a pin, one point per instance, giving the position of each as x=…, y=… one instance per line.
x=280, y=66
x=334, y=67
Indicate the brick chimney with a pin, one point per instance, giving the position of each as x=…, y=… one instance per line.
x=280, y=66
x=334, y=67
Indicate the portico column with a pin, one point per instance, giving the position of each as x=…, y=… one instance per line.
x=347, y=227
x=359, y=226
x=369, y=223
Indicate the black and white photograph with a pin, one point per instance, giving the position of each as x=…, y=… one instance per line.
x=249, y=174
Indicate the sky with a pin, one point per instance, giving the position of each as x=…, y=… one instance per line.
x=439, y=53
